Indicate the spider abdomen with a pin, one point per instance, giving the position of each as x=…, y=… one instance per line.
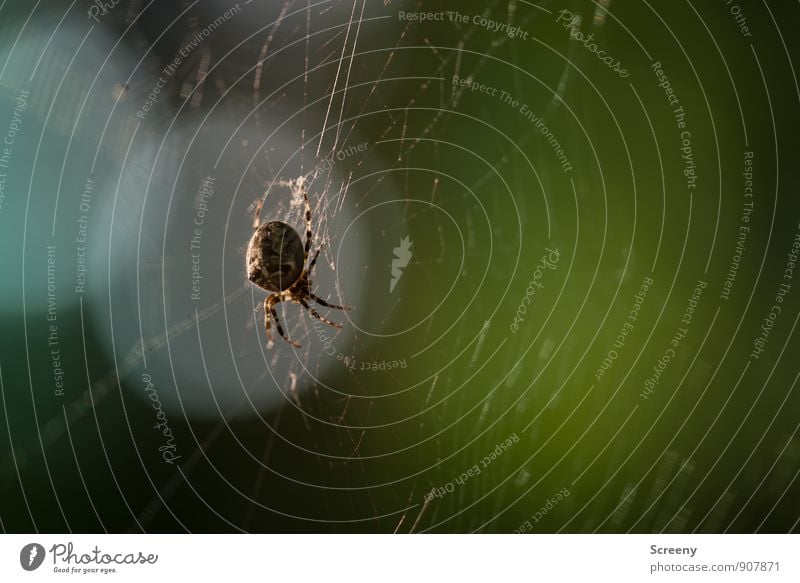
x=275, y=256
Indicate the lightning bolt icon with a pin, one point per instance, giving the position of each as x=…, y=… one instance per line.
x=34, y=552
x=402, y=255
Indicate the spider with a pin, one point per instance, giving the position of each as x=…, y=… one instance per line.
x=276, y=261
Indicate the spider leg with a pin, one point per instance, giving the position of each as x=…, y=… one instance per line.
x=314, y=313
x=313, y=261
x=308, y=220
x=322, y=302
x=257, y=213
x=269, y=310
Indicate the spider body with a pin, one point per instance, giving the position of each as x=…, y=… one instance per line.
x=276, y=262
x=275, y=257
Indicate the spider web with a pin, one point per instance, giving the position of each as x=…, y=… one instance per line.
x=277, y=125
x=403, y=112
x=434, y=198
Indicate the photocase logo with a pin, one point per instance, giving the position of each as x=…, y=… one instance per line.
x=31, y=556
x=402, y=257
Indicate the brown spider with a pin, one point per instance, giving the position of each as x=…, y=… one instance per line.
x=275, y=262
